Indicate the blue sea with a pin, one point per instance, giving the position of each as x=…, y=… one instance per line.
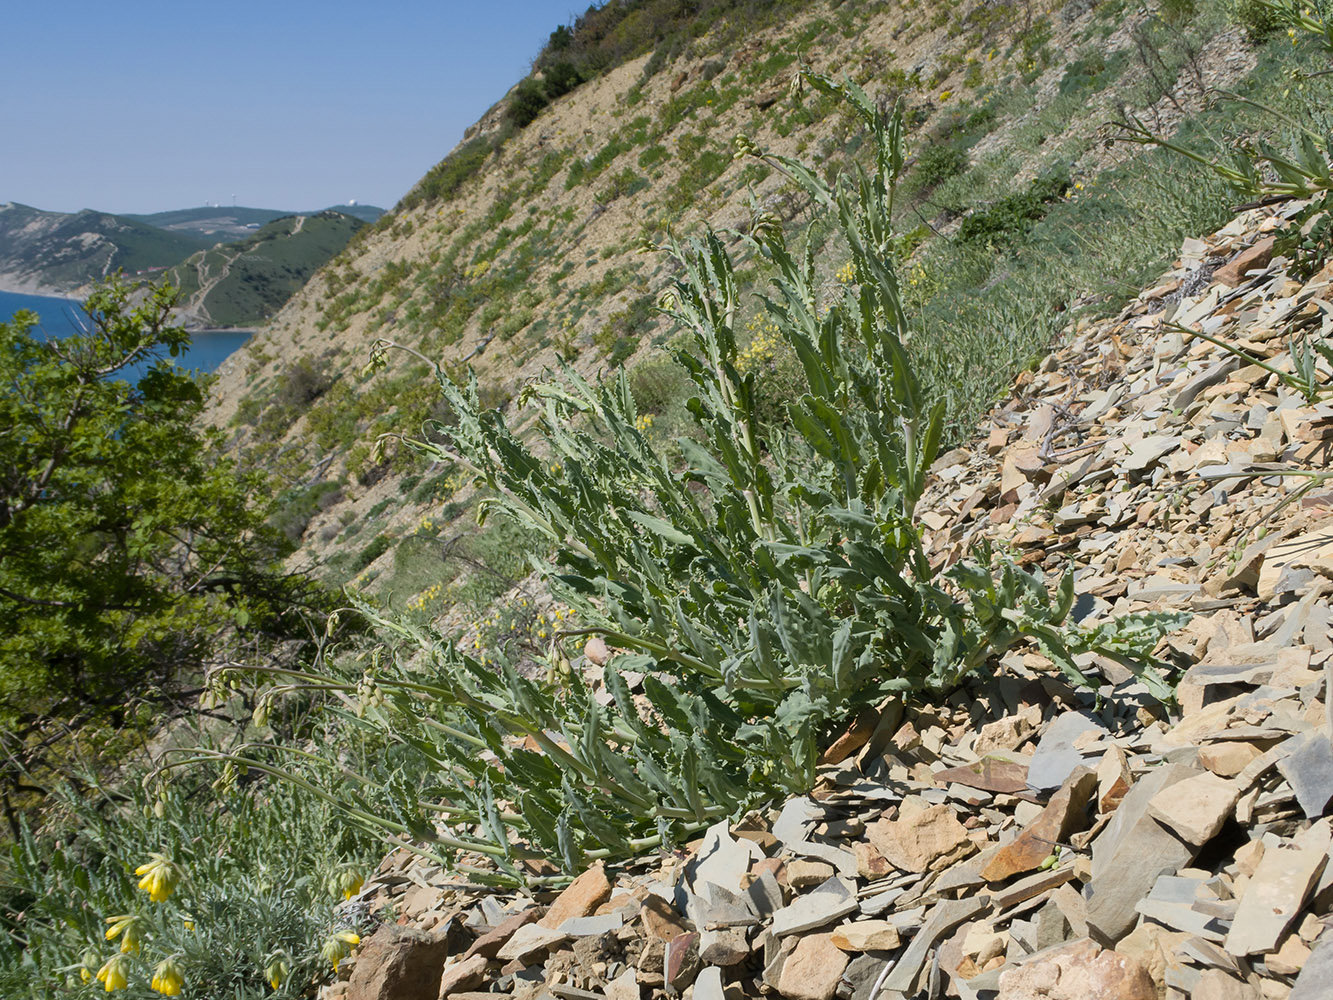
x=63, y=317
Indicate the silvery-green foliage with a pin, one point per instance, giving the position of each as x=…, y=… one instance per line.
x=766, y=586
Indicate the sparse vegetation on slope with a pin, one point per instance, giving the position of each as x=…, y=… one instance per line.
x=517, y=251
x=737, y=519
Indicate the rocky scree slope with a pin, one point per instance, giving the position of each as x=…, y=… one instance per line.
x=1025, y=839
x=529, y=260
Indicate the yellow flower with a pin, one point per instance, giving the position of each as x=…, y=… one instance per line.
x=277, y=971
x=348, y=882
x=338, y=946
x=160, y=877
x=125, y=927
x=113, y=973
x=167, y=978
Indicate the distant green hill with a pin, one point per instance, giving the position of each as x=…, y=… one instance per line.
x=59, y=251
x=220, y=222
x=244, y=282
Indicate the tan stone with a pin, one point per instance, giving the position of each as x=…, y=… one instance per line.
x=870, y=864
x=398, y=962
x=490, y=943
x=853, y=738
x=530, y=942
x=1256, y=258
x=1214, y=984
x=982, y=943
x=1113, y=779
x=1301, y=549
x=1289, y=958
x=803, y=874
x=913, y=843
x=1195, y=808
x=587, y=892
x=661, y=919
x=1227, y=759
x=866, y=935
x=1062, y=815
x=813, y=969
x=1155, y=948
x=1002, y=734
x=596, y=650
x=462, y=976
x=1249, y=856
x=1079, y=970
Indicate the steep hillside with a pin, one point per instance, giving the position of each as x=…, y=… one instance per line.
x=519, y=251
x=245, y=282
x=57, y=252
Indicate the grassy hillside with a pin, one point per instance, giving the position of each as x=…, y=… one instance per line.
x=61, y=252
x=518, y=252
x=245, y=282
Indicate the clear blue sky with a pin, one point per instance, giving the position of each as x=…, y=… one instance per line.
x=145, y=105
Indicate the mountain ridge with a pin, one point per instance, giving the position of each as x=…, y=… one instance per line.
x=64, y=253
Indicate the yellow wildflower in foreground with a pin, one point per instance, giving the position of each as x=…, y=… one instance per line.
x=160, y=877
x=113, y=973
x=338, y=946
x=167, y=978
x=125, y=927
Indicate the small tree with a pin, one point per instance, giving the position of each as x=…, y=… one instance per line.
x=131, y=550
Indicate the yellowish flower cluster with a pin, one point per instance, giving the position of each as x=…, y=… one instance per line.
x=125, y=927
x=846, y=274
x=277, y=971
x=348, y=882
x=338, y=946
x=643, y=422
x=762, y=347
x=160, y=877
x=427, y=596
x=477, y=270
x=557, y=619
x=114, y=974
x=167, y=978
x=945, y=95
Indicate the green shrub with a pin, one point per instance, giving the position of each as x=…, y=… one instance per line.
x=652, y=156
x=443, y=180
x=1008, y=220
x=261, y=868
x=377, y=548
x=526, y=102
x=937, y=163
x=1257, y=18
x=294, y=509
x=764, y=589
